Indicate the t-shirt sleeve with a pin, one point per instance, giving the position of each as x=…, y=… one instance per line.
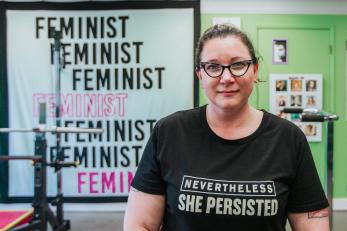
x=306, y=192
x=148, y=176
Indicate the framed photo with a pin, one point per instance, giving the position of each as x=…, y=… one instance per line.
x=310, y=129
x=297, y=91
x=311, y=101
x=279, y=51
x=281, y=100
x=281, y=85
x=311, y=85
x=295, y=100
x=296, y=85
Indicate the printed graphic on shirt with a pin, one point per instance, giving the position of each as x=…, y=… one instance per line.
x=239, y=198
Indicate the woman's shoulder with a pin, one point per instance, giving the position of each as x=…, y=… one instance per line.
x=182, y=117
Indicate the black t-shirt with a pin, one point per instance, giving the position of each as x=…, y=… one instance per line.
x=211, y=183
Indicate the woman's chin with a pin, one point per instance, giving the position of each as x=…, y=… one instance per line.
x=227, y=105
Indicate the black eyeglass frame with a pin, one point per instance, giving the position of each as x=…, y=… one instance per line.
x=249, y=62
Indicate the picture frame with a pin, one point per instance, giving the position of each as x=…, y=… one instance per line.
x=280, y=51
x=297, y=90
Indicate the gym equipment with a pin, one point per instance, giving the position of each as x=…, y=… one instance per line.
x=314, y=115
x=42, y=212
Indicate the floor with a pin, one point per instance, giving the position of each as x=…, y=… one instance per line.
x=97, y=221
x=101, y=220
x=113, y=221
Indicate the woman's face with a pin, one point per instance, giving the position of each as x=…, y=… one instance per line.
x=227, y=92
x=280, y=50
x=280, y=83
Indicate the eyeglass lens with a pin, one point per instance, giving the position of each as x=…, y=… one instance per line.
x=237, y=69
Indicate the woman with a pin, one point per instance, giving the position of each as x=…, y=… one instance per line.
x=281, y=85
x=311, y=85
x=279, y=55
x=311, y=101
x=227, y=165
x=296, y=100
x=281, y=100
x=296, y=85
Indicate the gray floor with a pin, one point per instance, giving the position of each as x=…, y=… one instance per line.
x=113, y=221
x=96, y=221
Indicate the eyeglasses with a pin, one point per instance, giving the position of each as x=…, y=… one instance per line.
x=237, y=69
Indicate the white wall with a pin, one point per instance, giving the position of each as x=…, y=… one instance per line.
x=255, y=6
x=275, y=6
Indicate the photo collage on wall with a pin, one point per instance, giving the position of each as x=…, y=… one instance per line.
x=297, y=91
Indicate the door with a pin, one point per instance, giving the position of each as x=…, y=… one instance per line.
x=308, y=51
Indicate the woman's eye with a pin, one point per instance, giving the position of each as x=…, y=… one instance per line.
x=238, y=65
x=213, y=67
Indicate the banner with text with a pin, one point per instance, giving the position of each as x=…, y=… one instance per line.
x=122, y=71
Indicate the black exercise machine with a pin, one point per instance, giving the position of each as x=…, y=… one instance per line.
x=42, y=213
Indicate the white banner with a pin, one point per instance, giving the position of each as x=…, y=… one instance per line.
x=124, y=70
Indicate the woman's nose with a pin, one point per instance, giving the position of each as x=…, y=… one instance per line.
x=227, y=76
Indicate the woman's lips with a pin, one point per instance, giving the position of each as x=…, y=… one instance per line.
x=228, y=92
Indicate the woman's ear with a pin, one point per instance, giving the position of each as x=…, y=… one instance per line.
x=198, y=72
x=256, y=68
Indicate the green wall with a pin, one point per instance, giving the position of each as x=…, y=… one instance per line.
x=334, y=99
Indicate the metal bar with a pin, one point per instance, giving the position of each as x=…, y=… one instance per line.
x=53, y=129
x=33, y=158
x=34, y=225
x=52, y=220
x=7, y=130
x=59, y=155
x=64, y=226
x=40, y=182
x=330, y=158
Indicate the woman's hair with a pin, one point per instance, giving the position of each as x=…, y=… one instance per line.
x=222, y=31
